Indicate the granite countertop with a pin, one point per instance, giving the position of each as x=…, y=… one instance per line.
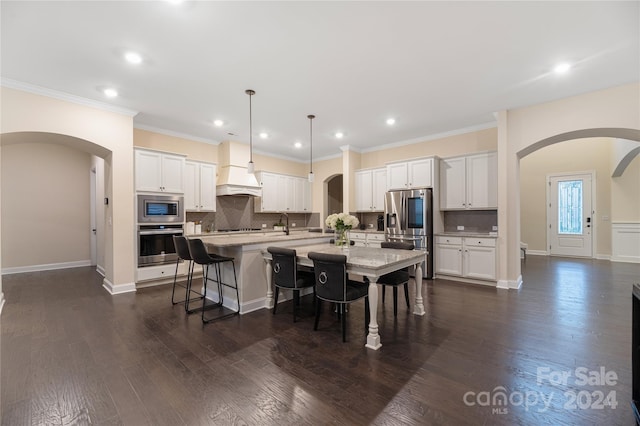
x=468, y=234
x=368, y=231
x=229, y=239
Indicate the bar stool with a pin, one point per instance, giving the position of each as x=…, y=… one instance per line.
x=182, y=250
x=201, y=256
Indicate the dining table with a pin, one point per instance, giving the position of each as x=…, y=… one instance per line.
x=369, y=262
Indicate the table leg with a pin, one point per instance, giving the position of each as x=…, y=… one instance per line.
x=268, y=303
x=418, y=306
x=373, y=338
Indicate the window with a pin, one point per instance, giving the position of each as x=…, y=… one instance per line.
x=570, y=207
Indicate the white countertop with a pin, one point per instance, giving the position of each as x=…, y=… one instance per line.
x=230, y=239
x=467, y=234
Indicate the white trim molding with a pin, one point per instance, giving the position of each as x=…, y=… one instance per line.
x=625, y=242
x=510, y=284
x=46, y=267
x=43, y=91
x=118, y=289
x=2, y=300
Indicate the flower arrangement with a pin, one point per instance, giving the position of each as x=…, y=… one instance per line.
x=341, y=221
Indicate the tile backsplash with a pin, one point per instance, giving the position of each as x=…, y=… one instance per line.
x=481, y=221
x=236, y=212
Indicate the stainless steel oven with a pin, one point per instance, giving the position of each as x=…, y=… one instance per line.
x=160, y=209
x=155, y=244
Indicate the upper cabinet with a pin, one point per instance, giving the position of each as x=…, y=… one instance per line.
x=283, y=193
x=410, y=174
x=469, y=182
x=371, y=186
x=200, y=186
x=159, y=172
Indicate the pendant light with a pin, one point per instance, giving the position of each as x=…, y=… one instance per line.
x=250, y=167
x=311, y=117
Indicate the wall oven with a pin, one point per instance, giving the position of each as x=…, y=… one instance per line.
x=160, y=209
x=155, y=244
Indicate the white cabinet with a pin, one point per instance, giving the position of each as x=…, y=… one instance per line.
x=468, y=257
x=469, y=182
x=159, y=172
x=366, y=239
x=371, y=186
x=200, y=186
x=283, y=193
x=410, y=174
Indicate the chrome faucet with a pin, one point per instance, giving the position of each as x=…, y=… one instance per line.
x=286, y=229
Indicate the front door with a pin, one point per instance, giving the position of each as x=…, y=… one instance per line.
x=570, y=216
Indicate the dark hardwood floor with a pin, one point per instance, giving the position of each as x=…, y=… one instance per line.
x=73, y=354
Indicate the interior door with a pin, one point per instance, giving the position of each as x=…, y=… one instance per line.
x=570, y=216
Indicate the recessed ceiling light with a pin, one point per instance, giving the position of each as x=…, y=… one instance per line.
x=339, y=135
x=562, y=68
x=110, y=93
x=264, y=135
x=218, y=123
x=133, y=58
x=298, y=145
x=391, y=121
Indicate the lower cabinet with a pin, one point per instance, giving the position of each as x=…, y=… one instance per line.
x=468, y=257
x=366, y=239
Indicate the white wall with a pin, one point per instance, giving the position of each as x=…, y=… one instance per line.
x=45, y=209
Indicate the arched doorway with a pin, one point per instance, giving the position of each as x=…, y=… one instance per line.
x=63, y=178
x=333, y=196
x=570, y=164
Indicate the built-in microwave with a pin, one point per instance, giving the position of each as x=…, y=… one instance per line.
x=160, y=209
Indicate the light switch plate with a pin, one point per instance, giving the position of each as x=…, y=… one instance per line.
x=460, y=228
x=494, y=228
x=264, y=225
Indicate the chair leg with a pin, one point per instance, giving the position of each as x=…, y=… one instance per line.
x=318, y=306
x=395, y=301
x=344, y=322
x=276, y=292
x=205, y=272
x=406, y=293
x=383, y=288
x=296, y=302
x=175, y=278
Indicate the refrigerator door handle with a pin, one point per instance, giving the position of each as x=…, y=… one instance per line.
x=405, y=212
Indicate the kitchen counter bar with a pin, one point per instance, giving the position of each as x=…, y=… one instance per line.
x=246, y=249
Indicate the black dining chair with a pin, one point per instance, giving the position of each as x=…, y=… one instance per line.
x=396, y=278
x=286, y=275
x=201, y=256
x=182, y=250
x=332, y=285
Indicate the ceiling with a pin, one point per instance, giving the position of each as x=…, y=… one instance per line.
x=436, y=67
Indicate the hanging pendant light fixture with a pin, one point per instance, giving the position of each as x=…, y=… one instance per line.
x=311, y=117
x=250, y=167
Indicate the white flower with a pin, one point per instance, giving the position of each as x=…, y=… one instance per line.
x=341, y=221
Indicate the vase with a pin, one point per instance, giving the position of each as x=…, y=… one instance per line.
x=342, y=238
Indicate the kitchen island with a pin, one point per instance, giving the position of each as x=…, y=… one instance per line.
x=246, y=249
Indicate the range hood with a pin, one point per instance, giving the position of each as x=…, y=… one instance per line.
x=233, y=178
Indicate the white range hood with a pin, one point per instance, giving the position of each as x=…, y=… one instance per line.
x=233, y=177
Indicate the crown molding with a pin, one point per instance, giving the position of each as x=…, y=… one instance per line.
x=174, y=134
x=344, y=148
x=50, y=93
x=432, y=137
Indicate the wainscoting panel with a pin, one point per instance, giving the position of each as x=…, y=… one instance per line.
x=625, y=242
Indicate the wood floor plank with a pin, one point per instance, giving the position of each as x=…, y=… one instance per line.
x=73, y=354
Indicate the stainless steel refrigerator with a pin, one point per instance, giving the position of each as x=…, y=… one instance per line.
x=409, y=218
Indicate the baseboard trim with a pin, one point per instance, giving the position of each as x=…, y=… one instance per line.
x=46, y=267
x=537, y=253
x=626, y=259
x=118, y=289
x=510, y=284
x=603, y=257
x=100, y=270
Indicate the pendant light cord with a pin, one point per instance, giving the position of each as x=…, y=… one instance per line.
x=311, y=117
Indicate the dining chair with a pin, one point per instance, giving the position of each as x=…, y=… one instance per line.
x=286, y=275
x=201, y=256
x=333, y=285
x=182, y=250
x=396, y=278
